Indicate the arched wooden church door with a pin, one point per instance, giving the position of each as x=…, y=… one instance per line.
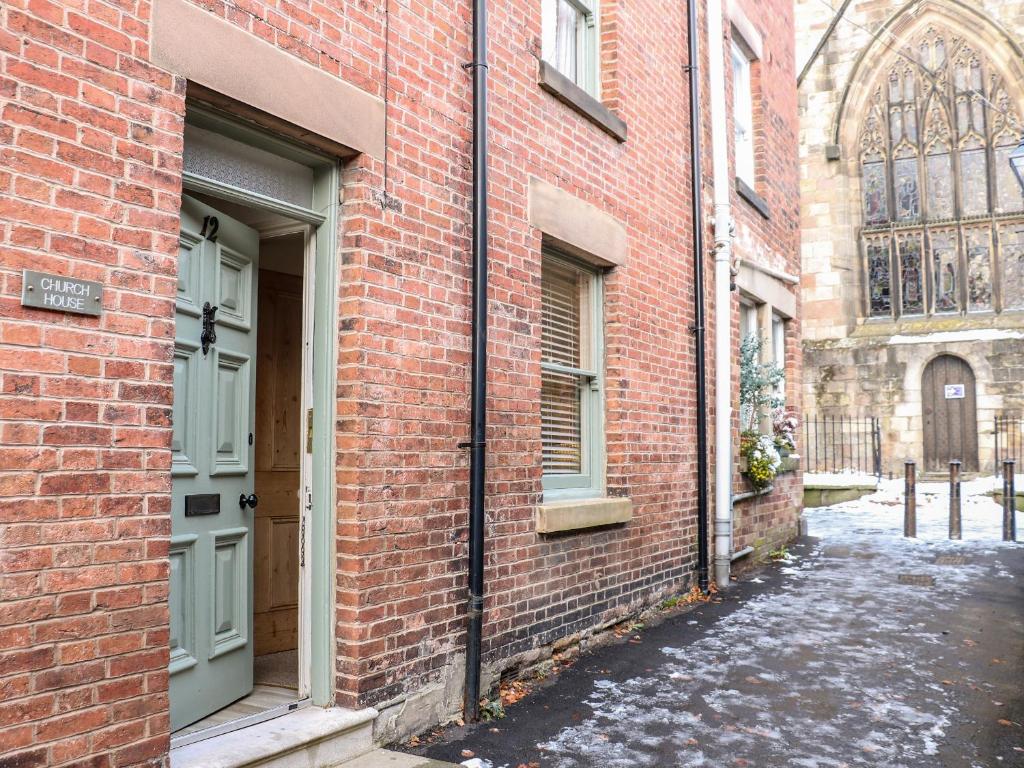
x=950, y=414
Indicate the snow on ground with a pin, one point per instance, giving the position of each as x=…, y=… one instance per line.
x=882, y=512
x=984, y=334
x=834, y=668
x=839, y=479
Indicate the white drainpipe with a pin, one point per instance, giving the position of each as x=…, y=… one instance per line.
x=723, y=295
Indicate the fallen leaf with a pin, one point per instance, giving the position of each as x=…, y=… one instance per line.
x=1001, y=721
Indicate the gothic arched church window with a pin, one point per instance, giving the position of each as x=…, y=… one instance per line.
x=943, y=212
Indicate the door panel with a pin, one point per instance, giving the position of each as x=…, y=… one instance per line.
x=950, y=420
x=278, y=453
x=189, y=268
x=183, y=436
x=182, y=603
x=235, y=289
x=232, y=414
x=230, y=591
x=211, y=550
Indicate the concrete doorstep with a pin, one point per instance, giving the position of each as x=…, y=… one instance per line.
x=382, y=758
x=307, y=738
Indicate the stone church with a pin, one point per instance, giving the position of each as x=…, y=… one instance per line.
x=913, y=223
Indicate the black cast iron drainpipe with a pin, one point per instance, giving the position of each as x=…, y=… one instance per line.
x=698, y=298
x=478, y=376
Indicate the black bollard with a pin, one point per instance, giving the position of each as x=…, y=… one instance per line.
x=910, y=501
x=1009, y=503
x=954, y=501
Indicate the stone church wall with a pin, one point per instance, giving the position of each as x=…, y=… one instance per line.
x=861, y=366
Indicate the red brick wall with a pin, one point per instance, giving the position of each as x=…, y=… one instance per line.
x=90, y=144
x=90, y=160
x=768, y=521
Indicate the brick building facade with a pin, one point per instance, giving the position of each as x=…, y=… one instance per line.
x=275, y=201
x=913, y=267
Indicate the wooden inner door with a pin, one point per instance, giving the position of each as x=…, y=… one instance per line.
x=278, y=455
x=950, y=415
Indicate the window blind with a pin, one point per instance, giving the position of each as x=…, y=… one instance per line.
x=562, y=377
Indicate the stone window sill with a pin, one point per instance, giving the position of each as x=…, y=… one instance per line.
x=574, y=97
x=747, y=193
x=577, y=514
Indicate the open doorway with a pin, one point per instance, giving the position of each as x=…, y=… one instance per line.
x=279, y=432
x=252, y=456
x=242, y=487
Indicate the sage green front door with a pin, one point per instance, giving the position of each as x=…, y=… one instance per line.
x=212, y=464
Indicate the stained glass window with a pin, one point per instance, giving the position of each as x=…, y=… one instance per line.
x=973, y=182
x=876, y=202
x=910, y=123
x=911, y=277
x=940, y=186
x=896, y=125
x=1012, y=240
x=880, y=277
x=945, y=266
x=963, y=115
x=908, y=198
x=931, y=133
x=979, y=275
x=1009, y=198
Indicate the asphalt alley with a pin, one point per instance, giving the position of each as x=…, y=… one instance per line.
x=862, y=649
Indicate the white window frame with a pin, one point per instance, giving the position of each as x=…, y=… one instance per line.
x=779, y=349
x=743, y=113
x=748, y=319
x=590, y=482
x=588, y=43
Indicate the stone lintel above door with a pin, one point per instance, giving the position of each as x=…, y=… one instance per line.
x=210, y=51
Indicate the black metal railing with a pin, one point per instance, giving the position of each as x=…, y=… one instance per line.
x=1009, y=434
x=842, y=444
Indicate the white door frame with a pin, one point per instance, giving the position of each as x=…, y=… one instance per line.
x=308, y=233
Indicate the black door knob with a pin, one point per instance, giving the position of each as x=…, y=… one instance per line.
x=248, y=501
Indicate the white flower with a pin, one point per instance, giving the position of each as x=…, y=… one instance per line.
x=766, y=448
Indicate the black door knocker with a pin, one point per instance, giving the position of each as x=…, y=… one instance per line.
x=209, y=334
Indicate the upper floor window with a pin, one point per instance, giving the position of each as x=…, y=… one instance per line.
x=943, y=211
x=779, y=350
x=572, y=431
x=570, y=40
x=743, y=114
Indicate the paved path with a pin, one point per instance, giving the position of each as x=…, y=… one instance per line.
x=865, y=649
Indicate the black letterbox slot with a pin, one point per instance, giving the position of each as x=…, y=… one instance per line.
x=198, y=504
